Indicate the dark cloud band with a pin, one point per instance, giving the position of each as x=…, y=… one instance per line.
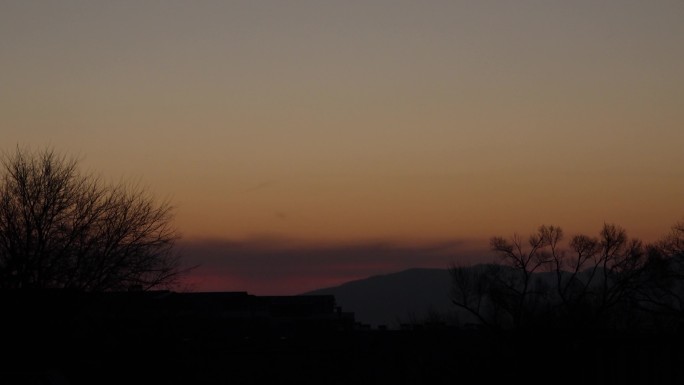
x=268, y=266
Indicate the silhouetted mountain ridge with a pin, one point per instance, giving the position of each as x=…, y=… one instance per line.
x=419, y=294
x=393, y=298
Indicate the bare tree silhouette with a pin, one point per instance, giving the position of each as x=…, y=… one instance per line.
x=662, y=292
x=60, y=228
x=593, y=282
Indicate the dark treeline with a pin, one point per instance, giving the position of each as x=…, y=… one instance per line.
x=606, y=282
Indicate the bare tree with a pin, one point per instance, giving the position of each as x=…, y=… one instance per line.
x=60, y=228
x=521, y=293
x=597, y=274
x=540, y=282
x=471, y=291
x=506, y=295
x=662, y=291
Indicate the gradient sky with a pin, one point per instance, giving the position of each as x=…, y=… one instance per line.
x=355, y=121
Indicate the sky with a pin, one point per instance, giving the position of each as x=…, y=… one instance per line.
x=337, y=126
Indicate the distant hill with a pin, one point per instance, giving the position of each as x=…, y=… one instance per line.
x=395, y=298
x=415, y=295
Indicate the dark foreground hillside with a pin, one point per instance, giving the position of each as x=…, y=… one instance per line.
x=235, y=338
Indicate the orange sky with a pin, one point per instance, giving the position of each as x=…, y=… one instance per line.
x=347, y=121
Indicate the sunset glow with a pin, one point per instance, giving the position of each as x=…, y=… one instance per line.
x=348, y=123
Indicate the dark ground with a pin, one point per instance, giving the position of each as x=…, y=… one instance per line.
x=116, y=340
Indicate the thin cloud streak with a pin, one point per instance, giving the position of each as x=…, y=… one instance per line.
x=280, y=267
